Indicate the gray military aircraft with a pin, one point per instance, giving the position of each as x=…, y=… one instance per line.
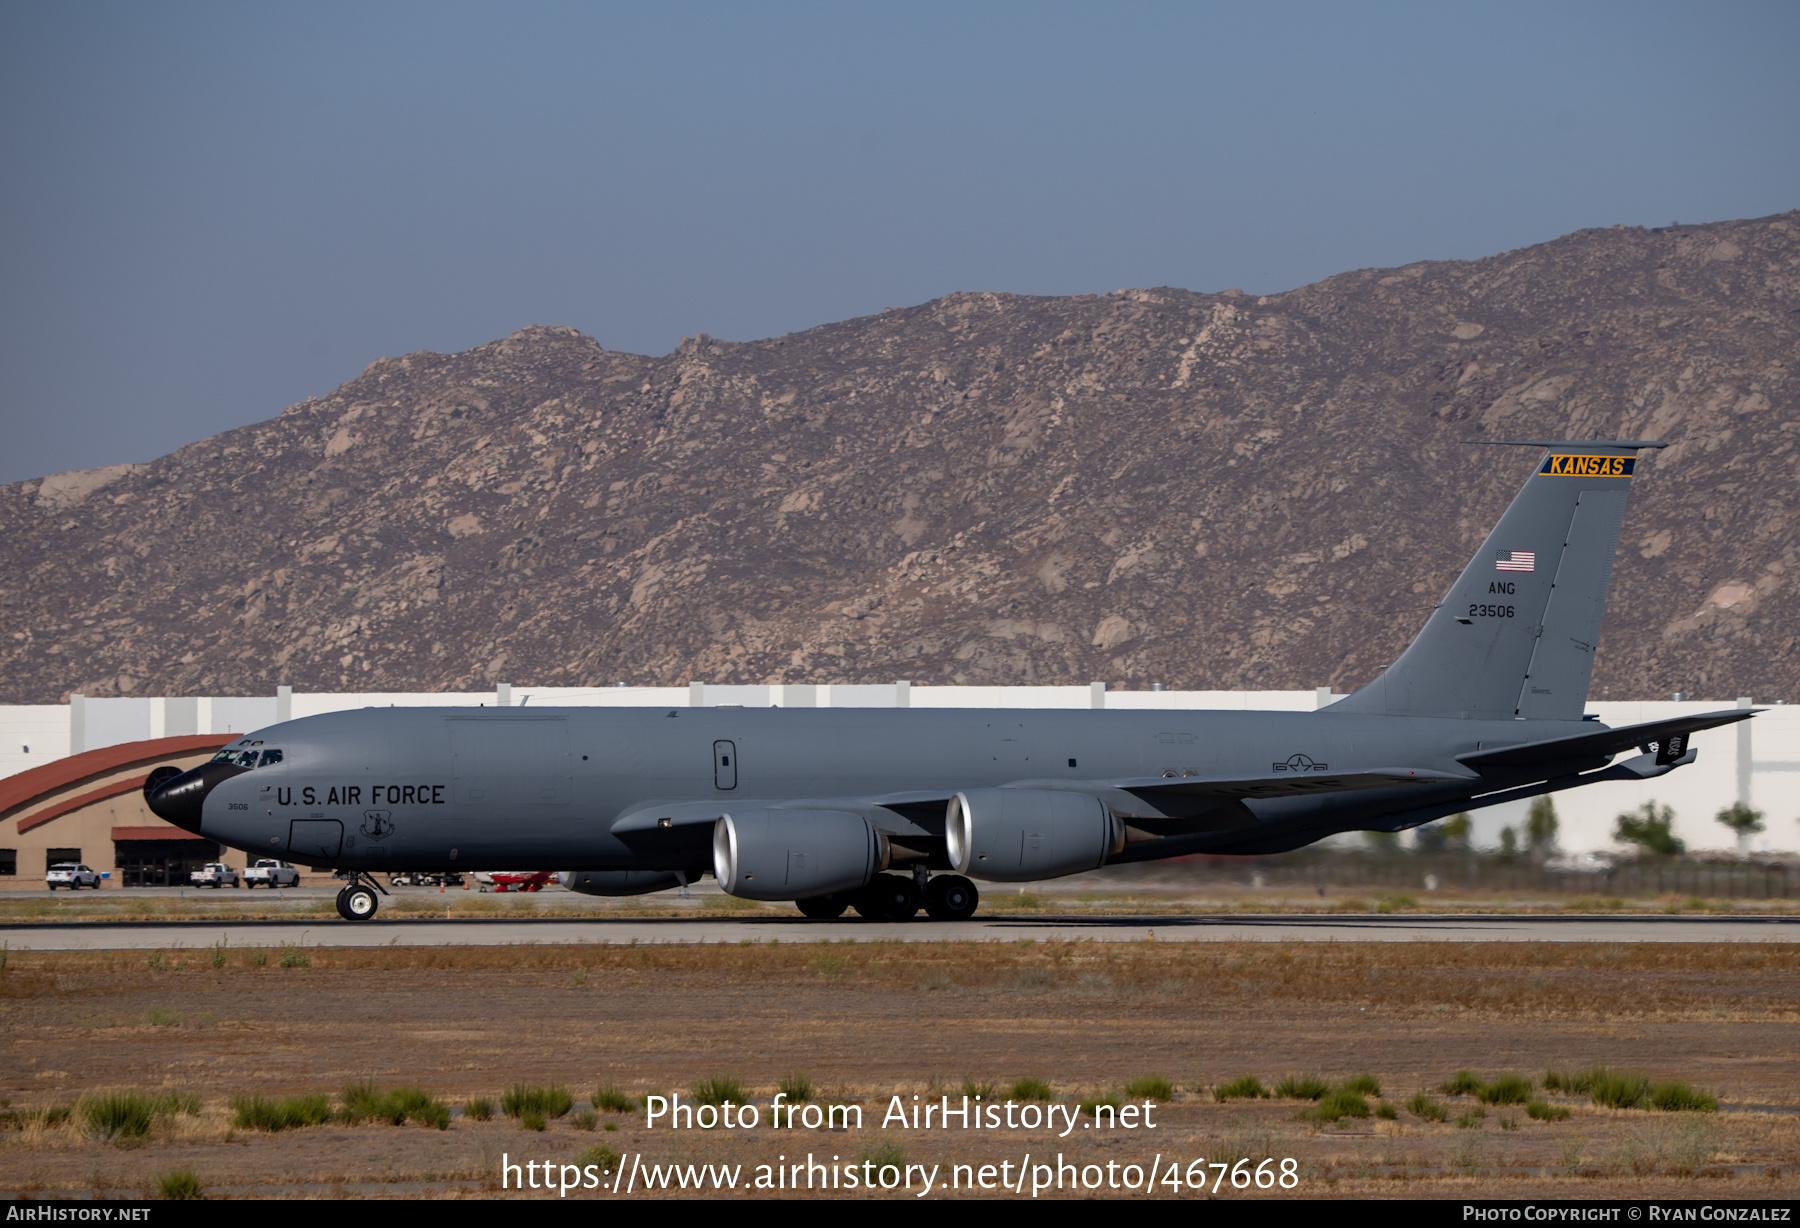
x=865, y=808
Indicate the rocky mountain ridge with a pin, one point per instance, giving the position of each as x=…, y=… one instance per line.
x=1208, y=490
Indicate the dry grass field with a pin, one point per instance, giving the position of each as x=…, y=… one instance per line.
x=864, y=1022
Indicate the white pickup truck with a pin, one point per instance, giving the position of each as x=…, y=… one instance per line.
x=268, y=873
x=215, y=875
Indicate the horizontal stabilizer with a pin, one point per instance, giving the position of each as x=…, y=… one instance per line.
x=1602, y=743
x=1282, y=784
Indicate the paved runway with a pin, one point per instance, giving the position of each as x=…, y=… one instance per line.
x=325, y=932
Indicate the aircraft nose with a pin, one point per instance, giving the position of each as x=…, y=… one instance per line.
x=176, y=796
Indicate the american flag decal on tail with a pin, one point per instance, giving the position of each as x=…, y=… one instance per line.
x=1515, y=560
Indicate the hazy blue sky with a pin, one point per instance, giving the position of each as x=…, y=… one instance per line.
x=213, y=211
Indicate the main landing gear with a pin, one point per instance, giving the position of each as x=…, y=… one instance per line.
x=358, y=901
x=891, y=897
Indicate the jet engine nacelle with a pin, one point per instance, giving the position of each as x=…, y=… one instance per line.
x=795, y=854
x=1015, y=835
x=618, y=882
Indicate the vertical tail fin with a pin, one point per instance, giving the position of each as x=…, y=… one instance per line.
x=1515, y=635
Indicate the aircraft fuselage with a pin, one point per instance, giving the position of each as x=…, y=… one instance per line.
x=426, y=788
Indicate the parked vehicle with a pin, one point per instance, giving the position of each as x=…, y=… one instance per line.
x=215, y=875
x=514, y=880
x=423, y=878
x=270, y=873
x=71, y=875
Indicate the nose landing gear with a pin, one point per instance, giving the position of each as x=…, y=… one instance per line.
x=359, y=901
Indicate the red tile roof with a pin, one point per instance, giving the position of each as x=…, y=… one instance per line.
x=31, y=786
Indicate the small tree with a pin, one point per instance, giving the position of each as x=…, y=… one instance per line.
x=1742, y=820
x=1451, y=833
x=1540, y=826
x=1651, y=829
x=1457, y=829
x=1509, y=843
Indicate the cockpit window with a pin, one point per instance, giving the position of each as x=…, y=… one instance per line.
x=270, y=756
x=243, y=758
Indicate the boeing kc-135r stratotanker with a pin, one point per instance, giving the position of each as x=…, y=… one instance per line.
x=869, y=808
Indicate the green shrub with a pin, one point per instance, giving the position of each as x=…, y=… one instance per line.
x=119, y=1115
x=1151, y=1087
x=883, y=1155
x=1364, y=1084
x=1386, y=1111
x=287, y=1113
x=365, y=1102
x=976, y=1090
x=1302, y=1087
x=1578, y=1083
x=531, y=1119
x=609, y=1099
x=797, y=1086
x=551, y=1101
x=1341, y=1102
x=1470, y=1119
x=1425, y=1108
x=259, y=959
x=602, y=1157
x=1031, y=1088
x=411, y=1102
x=1092, y=1105
x=185, y=1103
x=1674, y=1096
x=1249, y=1087
x=1507, y=1089
x=1616, y=1089
x=1464, y=1083
x=180, y=1185
x=717, y=1089
x=478, y=1109
x=129, y=1114
x=362, y=1101
x=1539, y=1110
x=417, y=1104
x=293, y=957
x=584, y=1119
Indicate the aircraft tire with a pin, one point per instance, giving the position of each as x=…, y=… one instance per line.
x=951, y=897
x=823, y=907
x=358, y=903
x=888, y=897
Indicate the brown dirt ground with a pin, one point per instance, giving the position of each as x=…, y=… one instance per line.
x=868, y=1021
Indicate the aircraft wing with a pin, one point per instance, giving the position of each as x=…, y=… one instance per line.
x=1602, y=744
x=1289, y=783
